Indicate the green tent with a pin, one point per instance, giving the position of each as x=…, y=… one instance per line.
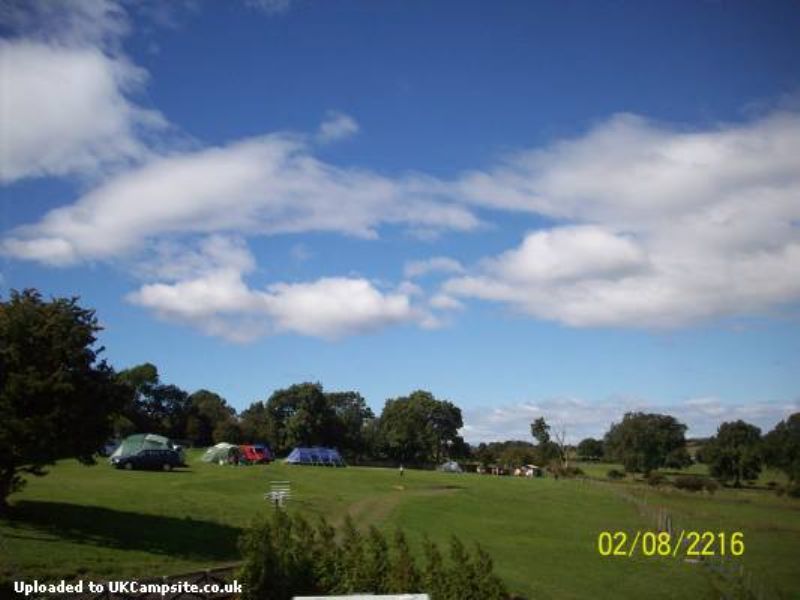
x=141, y=441
x=220, y=453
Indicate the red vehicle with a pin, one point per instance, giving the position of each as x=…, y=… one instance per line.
x=255, y=453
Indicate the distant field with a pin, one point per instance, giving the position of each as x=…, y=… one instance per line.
x=101, y=523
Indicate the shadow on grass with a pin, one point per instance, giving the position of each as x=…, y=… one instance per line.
x=178, y=538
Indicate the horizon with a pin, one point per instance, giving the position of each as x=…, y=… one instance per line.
x=530, y=210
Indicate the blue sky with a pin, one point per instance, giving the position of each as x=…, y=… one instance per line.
x=558, y=209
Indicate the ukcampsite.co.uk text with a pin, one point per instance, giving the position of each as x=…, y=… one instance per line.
x=125, y=587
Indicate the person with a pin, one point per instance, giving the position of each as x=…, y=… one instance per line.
x=401, y=470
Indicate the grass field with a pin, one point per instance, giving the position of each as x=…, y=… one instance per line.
x=102, y=523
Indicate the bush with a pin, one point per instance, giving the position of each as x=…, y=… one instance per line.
x=558, y=470
x=772, y=484
x=690, y=483
x=794, y=490
x=615, y=474
x=655, y=478
x=285, y=557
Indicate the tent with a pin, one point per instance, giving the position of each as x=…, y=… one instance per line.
x=315, y=456
x=142, y=441
x=450, y=466
x=220, y=453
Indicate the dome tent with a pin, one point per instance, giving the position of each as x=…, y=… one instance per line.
x=315, y=456
x=142, y=441
x=219, y=453
x=450, y=466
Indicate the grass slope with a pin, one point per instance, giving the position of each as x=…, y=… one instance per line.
x=102, y=523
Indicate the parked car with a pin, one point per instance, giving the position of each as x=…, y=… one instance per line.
x=254, y=453
x=149, y=459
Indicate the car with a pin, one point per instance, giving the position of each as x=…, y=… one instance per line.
x=165, y=459
x=254, y=453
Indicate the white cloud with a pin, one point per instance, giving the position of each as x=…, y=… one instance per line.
x=64, y=110
x=260, y=186
x=99, y=23
x=674, y=227
x=657, y=226
x=336, y=306
x=210, y=294
x=581, y=418
x=436, y=264
x=65, y=91
x=445, y=302
x=337, y=126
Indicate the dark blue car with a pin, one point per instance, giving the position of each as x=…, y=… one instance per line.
x=149, y=459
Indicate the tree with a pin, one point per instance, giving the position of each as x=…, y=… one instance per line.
x=299, y=415
x=515, y=454
x=590, y=448
x=57, y=399
x=351, y=414
x=207, y=412
x=546, y=449
x=227, y=431
x=255, y=423
x=678, y=459
x=642, y=442
x=735, y=453
x=418, y=428
x=782, y=447
x=154, y=407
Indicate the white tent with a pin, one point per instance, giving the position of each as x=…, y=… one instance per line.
x=450, y=466
x=219, y=453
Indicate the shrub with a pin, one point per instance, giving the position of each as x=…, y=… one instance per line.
x=710, y=486
x=690, y=483
x=794, y=490
x=655, y=478
x=772, y=484
x=558, y=470
x=285, y=557
x=615, y=474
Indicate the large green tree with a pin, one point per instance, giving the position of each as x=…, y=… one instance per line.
x=305, y=415
x=208, y=412
x=590, y=448
x=299, y=415
x=782, y=447
x=255, y=424
x=643, y=442
x=734, y=454
x=418, y=428
x=351, y=415
x=154, y=407
x=57, y=399
x=546, y=448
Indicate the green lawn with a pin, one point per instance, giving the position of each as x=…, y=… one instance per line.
x=101, y=523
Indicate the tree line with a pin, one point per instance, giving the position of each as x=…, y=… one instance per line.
x=59, y=398
x=736, y=454
x=415, y=429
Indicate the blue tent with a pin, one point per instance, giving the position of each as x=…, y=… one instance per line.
x=315, y=456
